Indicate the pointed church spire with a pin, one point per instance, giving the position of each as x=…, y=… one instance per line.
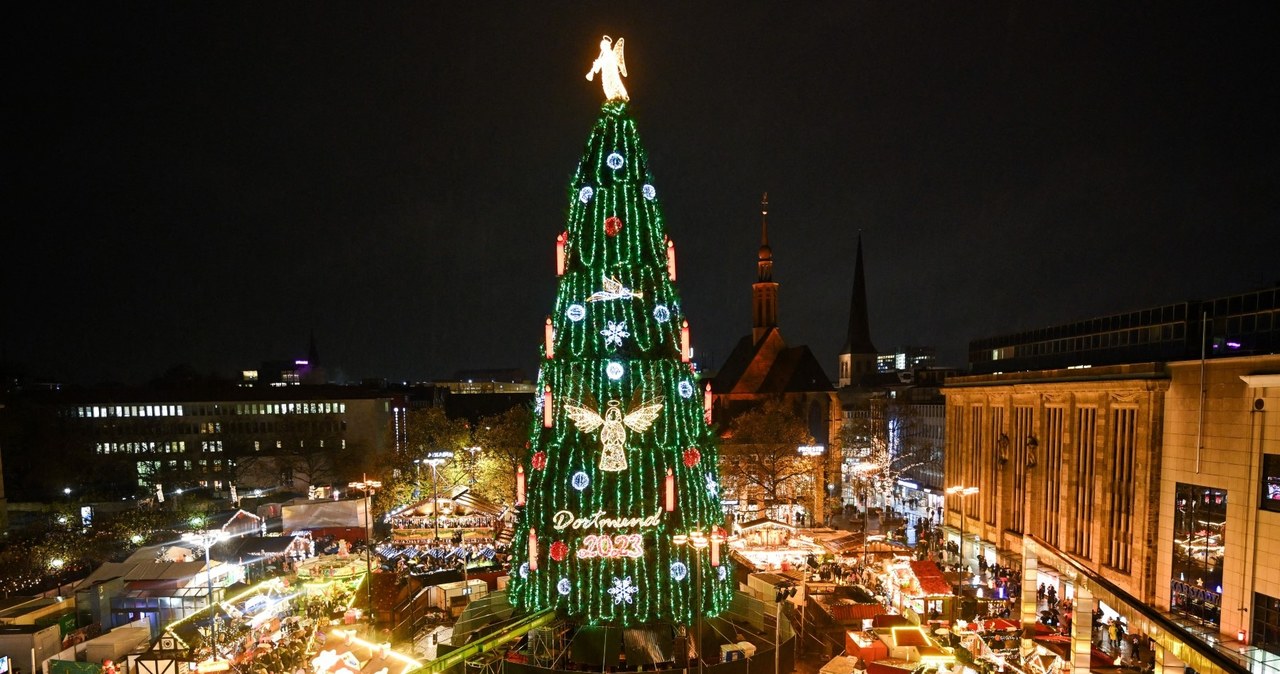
x=859, y=354
x=764, y=263
x=764, y=292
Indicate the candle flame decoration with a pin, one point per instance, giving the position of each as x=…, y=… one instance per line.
x=560, y=259
x=671, y=259
x=533, y=550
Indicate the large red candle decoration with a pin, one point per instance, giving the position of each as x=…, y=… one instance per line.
x=671, y=491
x=546, y=407
x=686, y=351
x=520, y=485
x=549, y=336
x=560, y=241
x=716, y=539
x=671, y=259
x=533, y=550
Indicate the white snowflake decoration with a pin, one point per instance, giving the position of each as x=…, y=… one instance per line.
x=712, y=486
x=623, y=590
x=585, y=194
x=576, y=312
x=648, y=192
x=564, y=586
x=679, y=571
x=614, y=161
x=580, y=480
x=614, y=333
x=614, y=370
x=661, y=313
x=685, y=389
x=524, y=570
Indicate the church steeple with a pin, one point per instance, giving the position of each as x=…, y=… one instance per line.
x=764, y=292
x=858, y=357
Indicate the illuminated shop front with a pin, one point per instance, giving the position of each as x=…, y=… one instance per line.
x=1199, y=540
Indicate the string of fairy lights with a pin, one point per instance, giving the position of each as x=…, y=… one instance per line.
x=623, y=463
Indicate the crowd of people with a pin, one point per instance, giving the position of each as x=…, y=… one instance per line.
x=474, y=521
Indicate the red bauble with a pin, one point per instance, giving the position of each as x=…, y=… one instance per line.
x=539, y=460
x=613, y=225
x=559, y=551
x=692, y=456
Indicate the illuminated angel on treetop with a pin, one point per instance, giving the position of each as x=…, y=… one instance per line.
x=612, y=68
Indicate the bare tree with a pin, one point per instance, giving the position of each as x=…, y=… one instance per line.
x=761, y=451
x=884, y=442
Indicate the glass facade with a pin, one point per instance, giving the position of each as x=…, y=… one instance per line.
x=1266, y=622
x=1199, y=541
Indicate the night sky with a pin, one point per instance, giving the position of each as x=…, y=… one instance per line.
x=211, y=183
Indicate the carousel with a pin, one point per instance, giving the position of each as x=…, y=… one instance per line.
x=770, y=545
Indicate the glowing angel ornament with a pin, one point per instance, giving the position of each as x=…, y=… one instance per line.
x=612, y=68
x=613, y=435
x=613, y=290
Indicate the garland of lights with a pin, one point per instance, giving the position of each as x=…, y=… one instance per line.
x=605, y=530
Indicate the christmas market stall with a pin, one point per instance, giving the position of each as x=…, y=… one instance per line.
x=918, y=588
x=770, y=545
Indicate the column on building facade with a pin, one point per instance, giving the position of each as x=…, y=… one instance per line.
x=1030, y=582
x=1082, y=628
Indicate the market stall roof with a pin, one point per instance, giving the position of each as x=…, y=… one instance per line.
x=765, y=522
x=932, y=582
x=999, y=624
x=263, y=545
x=841, y=664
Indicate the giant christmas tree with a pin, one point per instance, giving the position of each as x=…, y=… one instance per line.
x=621, y=506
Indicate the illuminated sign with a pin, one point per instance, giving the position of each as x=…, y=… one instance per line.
x=566, y=519
x=811, y=450
x=622, y=545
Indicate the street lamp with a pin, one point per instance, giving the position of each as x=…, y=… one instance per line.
x=700, y=541
x=207, y=538
x=435, y=460
x=368, y=487
x=964, y=493
x=67, y=491
x=865, y=469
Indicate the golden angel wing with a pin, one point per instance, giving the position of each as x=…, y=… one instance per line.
x=642, y=417
x=617, y=52
x=585, y=419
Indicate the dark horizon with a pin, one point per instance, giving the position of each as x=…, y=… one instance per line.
x=213, y=184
